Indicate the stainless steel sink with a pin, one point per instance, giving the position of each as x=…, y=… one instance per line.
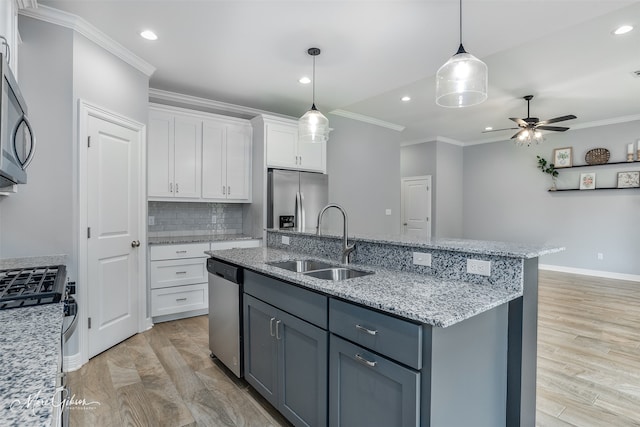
x=337, y=273
x=301, y=265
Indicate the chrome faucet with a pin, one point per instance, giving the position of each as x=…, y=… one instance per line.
x=346, y=248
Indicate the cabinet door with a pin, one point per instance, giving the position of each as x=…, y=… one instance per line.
x=160, y=155
x=282, y=141
x=312, y=156
x=188, y=156
x=214, y=167
x=260, y=348
x=238, y=163
x=302, y=360
x=368, y=390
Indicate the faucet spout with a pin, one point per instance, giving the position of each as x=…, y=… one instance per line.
x=346, y=248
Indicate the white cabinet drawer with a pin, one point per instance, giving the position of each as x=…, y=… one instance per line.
x=188, y=250
x=178, y=272
x=228, y=244
x=179, y=299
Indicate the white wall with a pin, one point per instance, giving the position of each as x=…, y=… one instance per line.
x=363, y=163
x=506, y=198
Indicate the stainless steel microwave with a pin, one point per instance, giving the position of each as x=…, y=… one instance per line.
x=17, y=140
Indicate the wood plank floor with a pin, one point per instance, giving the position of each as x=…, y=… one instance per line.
x=588, y=367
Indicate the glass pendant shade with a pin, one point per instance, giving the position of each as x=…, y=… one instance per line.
x=528, y=137
x=313, y=126
x=462, y=81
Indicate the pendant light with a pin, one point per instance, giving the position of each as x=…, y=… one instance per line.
x=313, y=126
x=462, y=81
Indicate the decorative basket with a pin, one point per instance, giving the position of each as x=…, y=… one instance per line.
x=597, y=156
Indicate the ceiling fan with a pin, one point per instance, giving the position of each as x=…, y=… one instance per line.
x=530, y=127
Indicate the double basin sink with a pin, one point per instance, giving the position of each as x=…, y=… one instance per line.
x=319, y=269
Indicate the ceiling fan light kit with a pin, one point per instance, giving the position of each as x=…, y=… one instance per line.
x=313, y=126
x=463, y=80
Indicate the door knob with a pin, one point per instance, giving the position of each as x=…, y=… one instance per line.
x=135, y=243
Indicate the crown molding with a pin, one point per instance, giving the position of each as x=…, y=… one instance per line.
x=367, y=119
x=75, y=23
x=444, y=139
x=194, y=101
x=24, y=4
x=605, y=122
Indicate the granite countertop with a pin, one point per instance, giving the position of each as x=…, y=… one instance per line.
x=29, y=357
x=38, y=261
x=508, y=249
x=417, y=297
x=199, y=238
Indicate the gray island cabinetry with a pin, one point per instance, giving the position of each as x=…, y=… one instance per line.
x=404, y=345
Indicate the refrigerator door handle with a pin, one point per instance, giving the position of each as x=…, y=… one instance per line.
x=299, y=220
x=303, y=223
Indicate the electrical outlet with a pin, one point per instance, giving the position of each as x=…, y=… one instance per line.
x=476, y=266
x=285, y=240
x=152, y=220
x=600, y=256
x=422, y=258
x=387, y=212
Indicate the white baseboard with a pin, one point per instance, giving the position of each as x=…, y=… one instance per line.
x=587, y=272
x=72, y=363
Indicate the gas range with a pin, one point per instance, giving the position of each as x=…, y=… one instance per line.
x=24, y=287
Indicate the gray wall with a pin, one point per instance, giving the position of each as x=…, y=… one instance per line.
x=506, y=198
x=57, y=67
x=444, y=162
x=364, y=176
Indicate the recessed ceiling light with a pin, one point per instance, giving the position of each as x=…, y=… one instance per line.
x=488, y=128
x=305, y=80
x=149, y=35
x=623, y=29
x=405, y=99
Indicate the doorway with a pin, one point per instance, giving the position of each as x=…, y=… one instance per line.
x=111, y=257
x=416, y=207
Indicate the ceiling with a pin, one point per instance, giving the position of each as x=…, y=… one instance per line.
x=252, y=53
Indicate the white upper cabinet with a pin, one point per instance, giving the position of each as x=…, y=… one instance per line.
x=226, y=166
x=285, y=151
x=198, y=156
x=174, y=155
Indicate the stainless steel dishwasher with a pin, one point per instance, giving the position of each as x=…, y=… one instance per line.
x=225, y=314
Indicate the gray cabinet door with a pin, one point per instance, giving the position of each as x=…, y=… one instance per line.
x=261, y=348
x=370, y=391
x=303, y=380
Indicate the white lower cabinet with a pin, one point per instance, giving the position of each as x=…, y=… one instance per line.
x=179, y=280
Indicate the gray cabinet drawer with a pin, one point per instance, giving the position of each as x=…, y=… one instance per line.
x=395, y=338
x=307, y=305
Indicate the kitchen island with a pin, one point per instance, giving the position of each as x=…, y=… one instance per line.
x=461, y=348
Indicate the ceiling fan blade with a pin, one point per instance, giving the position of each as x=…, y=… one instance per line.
x=498, y=130
x=557, y=119
x=517, y=134
x=519, y=121
x=553, y=128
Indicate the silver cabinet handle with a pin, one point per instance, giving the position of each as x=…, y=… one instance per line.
x=278, y=329
x=361, y=359
x=223, y=190
x=181, y=272
x=271, y=327
x=228, y=190
x=180, y=299
x=177, y=188
x=171, y=187
x=369, y=331
x=301, y=160
x=135, y=243
x=181, y=252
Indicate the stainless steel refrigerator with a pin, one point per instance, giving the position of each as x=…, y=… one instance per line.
x=295, y=194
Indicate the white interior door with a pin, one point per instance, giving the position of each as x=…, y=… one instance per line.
x=416, y=207
x=113, y=220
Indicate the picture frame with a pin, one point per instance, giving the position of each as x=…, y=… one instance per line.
x=629, y=179
x=588, y=181
x=563, y=157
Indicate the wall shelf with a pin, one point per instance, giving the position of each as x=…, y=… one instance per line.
x=635, y=162
x=593, y=189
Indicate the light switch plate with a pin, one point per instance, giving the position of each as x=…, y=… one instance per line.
x=285, y=240
x=387, y=212
x=152, y=220
x=476, y=266
x=422, y=258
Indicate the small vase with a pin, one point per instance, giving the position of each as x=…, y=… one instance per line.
x=553, y=184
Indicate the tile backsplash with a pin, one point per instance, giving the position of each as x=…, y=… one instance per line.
x=189, y=218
